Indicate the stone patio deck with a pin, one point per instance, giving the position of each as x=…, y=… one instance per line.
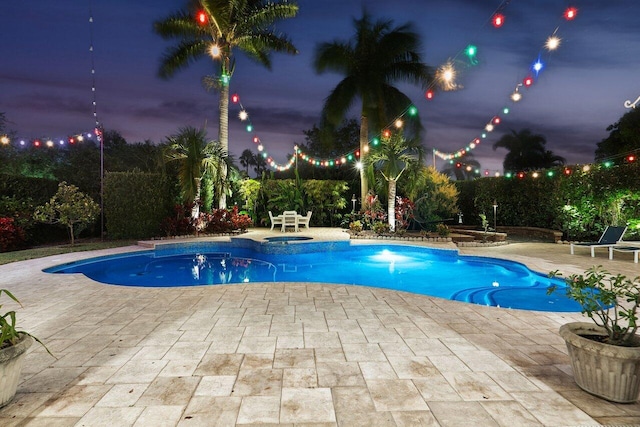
x=296, y=354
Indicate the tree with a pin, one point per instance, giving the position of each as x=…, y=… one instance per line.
x=526, y=152
x=70, y=208
x=391, y=159
x=198, y=159
x=219, y=27
x=623, y=139
x=377, y=56
x=247, y=159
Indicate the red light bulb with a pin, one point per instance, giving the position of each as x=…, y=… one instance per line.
x=570, y=13
x=429, y=94
x=498, y=20
x=202, y=18
x=235, y=98
x=528, y=81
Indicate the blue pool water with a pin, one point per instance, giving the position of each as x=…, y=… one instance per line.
x=435, y=272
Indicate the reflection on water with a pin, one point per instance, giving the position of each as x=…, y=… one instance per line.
x=221, y=269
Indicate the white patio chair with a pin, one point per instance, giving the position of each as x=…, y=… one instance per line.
x=289, y=219
x=304, y=220
x=275, y=220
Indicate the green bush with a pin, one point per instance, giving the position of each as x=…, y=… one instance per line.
x=136, y=203
x=581, y=203
x=326, y=198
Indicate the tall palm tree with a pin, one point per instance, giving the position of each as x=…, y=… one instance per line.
x=219, y=27
x=526, y=152
x=377, y=56
x=247, y=159
x=198, y=158
x=391, y=159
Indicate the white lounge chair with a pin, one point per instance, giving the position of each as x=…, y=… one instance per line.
x=304, y=220
x=635, y=250
x=611, y=237
x=275, y=220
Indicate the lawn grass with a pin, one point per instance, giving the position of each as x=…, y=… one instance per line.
x=40, y=252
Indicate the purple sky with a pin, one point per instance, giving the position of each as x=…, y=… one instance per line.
x=45, y=79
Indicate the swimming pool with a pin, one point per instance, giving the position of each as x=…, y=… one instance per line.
x=428, y=271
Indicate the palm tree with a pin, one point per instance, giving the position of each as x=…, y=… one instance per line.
x=526, y=152
x=219, y=27
x=377, y=56
x=198, y=158
x=392, y=158
x=247, y=159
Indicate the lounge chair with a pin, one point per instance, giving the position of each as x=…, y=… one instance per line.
x=626, y=248
x=304, y=220
x=611, y=237
x=275, y=220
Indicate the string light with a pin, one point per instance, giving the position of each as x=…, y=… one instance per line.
x=551, y=43
x=445, y=75
x=5, y=140
x=215, y=51
x=498, y=20
x=570, y=13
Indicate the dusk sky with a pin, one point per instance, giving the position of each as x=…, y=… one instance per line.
x=46, y=81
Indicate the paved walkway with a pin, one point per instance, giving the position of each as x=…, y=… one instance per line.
x=295, y=354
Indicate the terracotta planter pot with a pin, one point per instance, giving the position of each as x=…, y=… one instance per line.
x=608, y=371
x=11, y=359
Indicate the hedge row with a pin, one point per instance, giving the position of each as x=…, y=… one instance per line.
x=580, y=202
x=135, y=204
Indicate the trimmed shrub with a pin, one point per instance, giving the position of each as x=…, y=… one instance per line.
x=136, y=203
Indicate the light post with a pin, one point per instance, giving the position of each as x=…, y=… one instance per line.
x=495, y=211
x=353, y=200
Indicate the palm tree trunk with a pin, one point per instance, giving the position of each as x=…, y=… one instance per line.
x=223, y=137
x=391, y=205
x=364, y=141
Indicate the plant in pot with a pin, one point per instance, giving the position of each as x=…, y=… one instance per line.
x=605, y=354
x=14, y=344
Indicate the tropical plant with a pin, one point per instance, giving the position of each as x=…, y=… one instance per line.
x=249, y=190
x=526, y=152
x=435, y=197
x=611, y=301
x=9, y=335
x=391, y=158
x=377, y=56
x=70, y=208
x=216, y=28
x=197, y=159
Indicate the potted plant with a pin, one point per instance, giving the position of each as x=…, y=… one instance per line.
x=605, y=354
x=14, y=344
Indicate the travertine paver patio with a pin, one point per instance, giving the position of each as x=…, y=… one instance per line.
x=295, y=354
